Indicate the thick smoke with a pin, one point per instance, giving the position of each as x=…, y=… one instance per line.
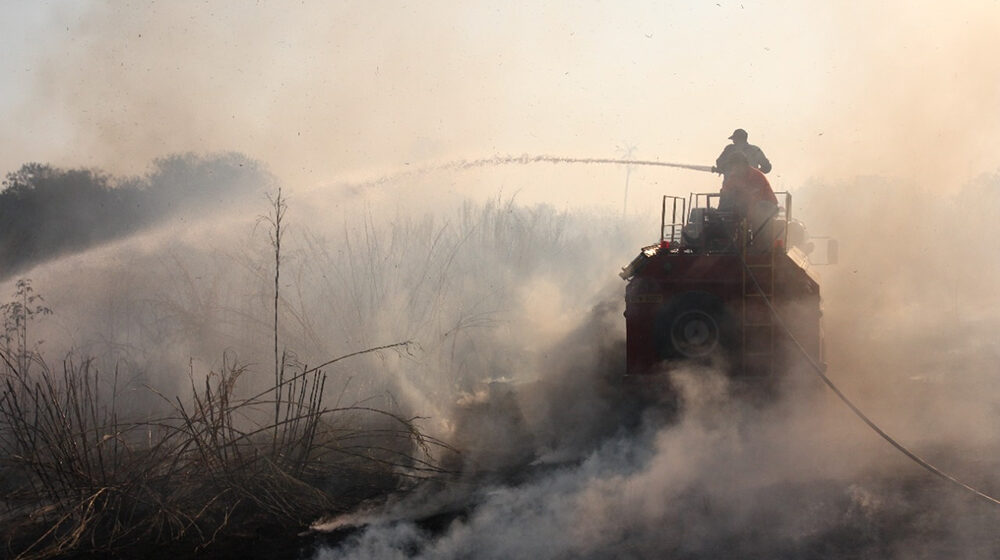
x=456, y=286
x=908, y=314
x=504, y=299
x=725, y=480
x=722, y=482
x=514, y=312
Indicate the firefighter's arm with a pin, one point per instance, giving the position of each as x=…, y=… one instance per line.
x=765, y=165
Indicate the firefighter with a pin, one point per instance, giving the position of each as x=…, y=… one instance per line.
x=753, y=154
x=744, y=187
x=747, y=193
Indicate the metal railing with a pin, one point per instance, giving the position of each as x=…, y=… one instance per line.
x=705, y=200
x=678, y=217
x=674, y=218
x=784, y=213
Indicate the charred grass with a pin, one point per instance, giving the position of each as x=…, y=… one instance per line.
x=78, y=479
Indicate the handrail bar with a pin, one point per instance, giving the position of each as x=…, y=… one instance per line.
x=678, y=218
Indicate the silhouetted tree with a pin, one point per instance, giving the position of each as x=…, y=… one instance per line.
x=47, y=211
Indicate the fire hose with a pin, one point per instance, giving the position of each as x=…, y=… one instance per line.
x=821, y=372
x=707, y=168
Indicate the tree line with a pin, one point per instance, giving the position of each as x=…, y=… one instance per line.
x=47, y=211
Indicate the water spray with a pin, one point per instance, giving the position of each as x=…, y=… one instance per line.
x=524, y=159
x=554, y=159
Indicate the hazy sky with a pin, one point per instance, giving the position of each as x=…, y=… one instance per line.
x=322, y=91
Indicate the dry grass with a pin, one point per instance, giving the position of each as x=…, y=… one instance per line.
x=80, y=472
x=78, y=478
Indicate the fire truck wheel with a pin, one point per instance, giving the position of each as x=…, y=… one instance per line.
x=694, y=325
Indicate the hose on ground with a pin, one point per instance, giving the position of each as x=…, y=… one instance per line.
x=820, y=371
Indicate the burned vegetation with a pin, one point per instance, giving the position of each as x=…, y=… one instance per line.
x=79, y=478
x=310, y=409
x=88, y=468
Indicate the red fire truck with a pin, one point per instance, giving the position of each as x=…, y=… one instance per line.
x=725, y=289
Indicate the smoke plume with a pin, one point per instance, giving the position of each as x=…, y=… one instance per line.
x=500, y=278
x=798, y=478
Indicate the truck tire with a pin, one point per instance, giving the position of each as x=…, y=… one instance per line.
x=694, y=325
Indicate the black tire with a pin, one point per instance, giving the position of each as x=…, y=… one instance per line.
x=695, y=326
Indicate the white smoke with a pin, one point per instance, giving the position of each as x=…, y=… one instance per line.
x=528, y=295
x=798, y=478
x=795, y=481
